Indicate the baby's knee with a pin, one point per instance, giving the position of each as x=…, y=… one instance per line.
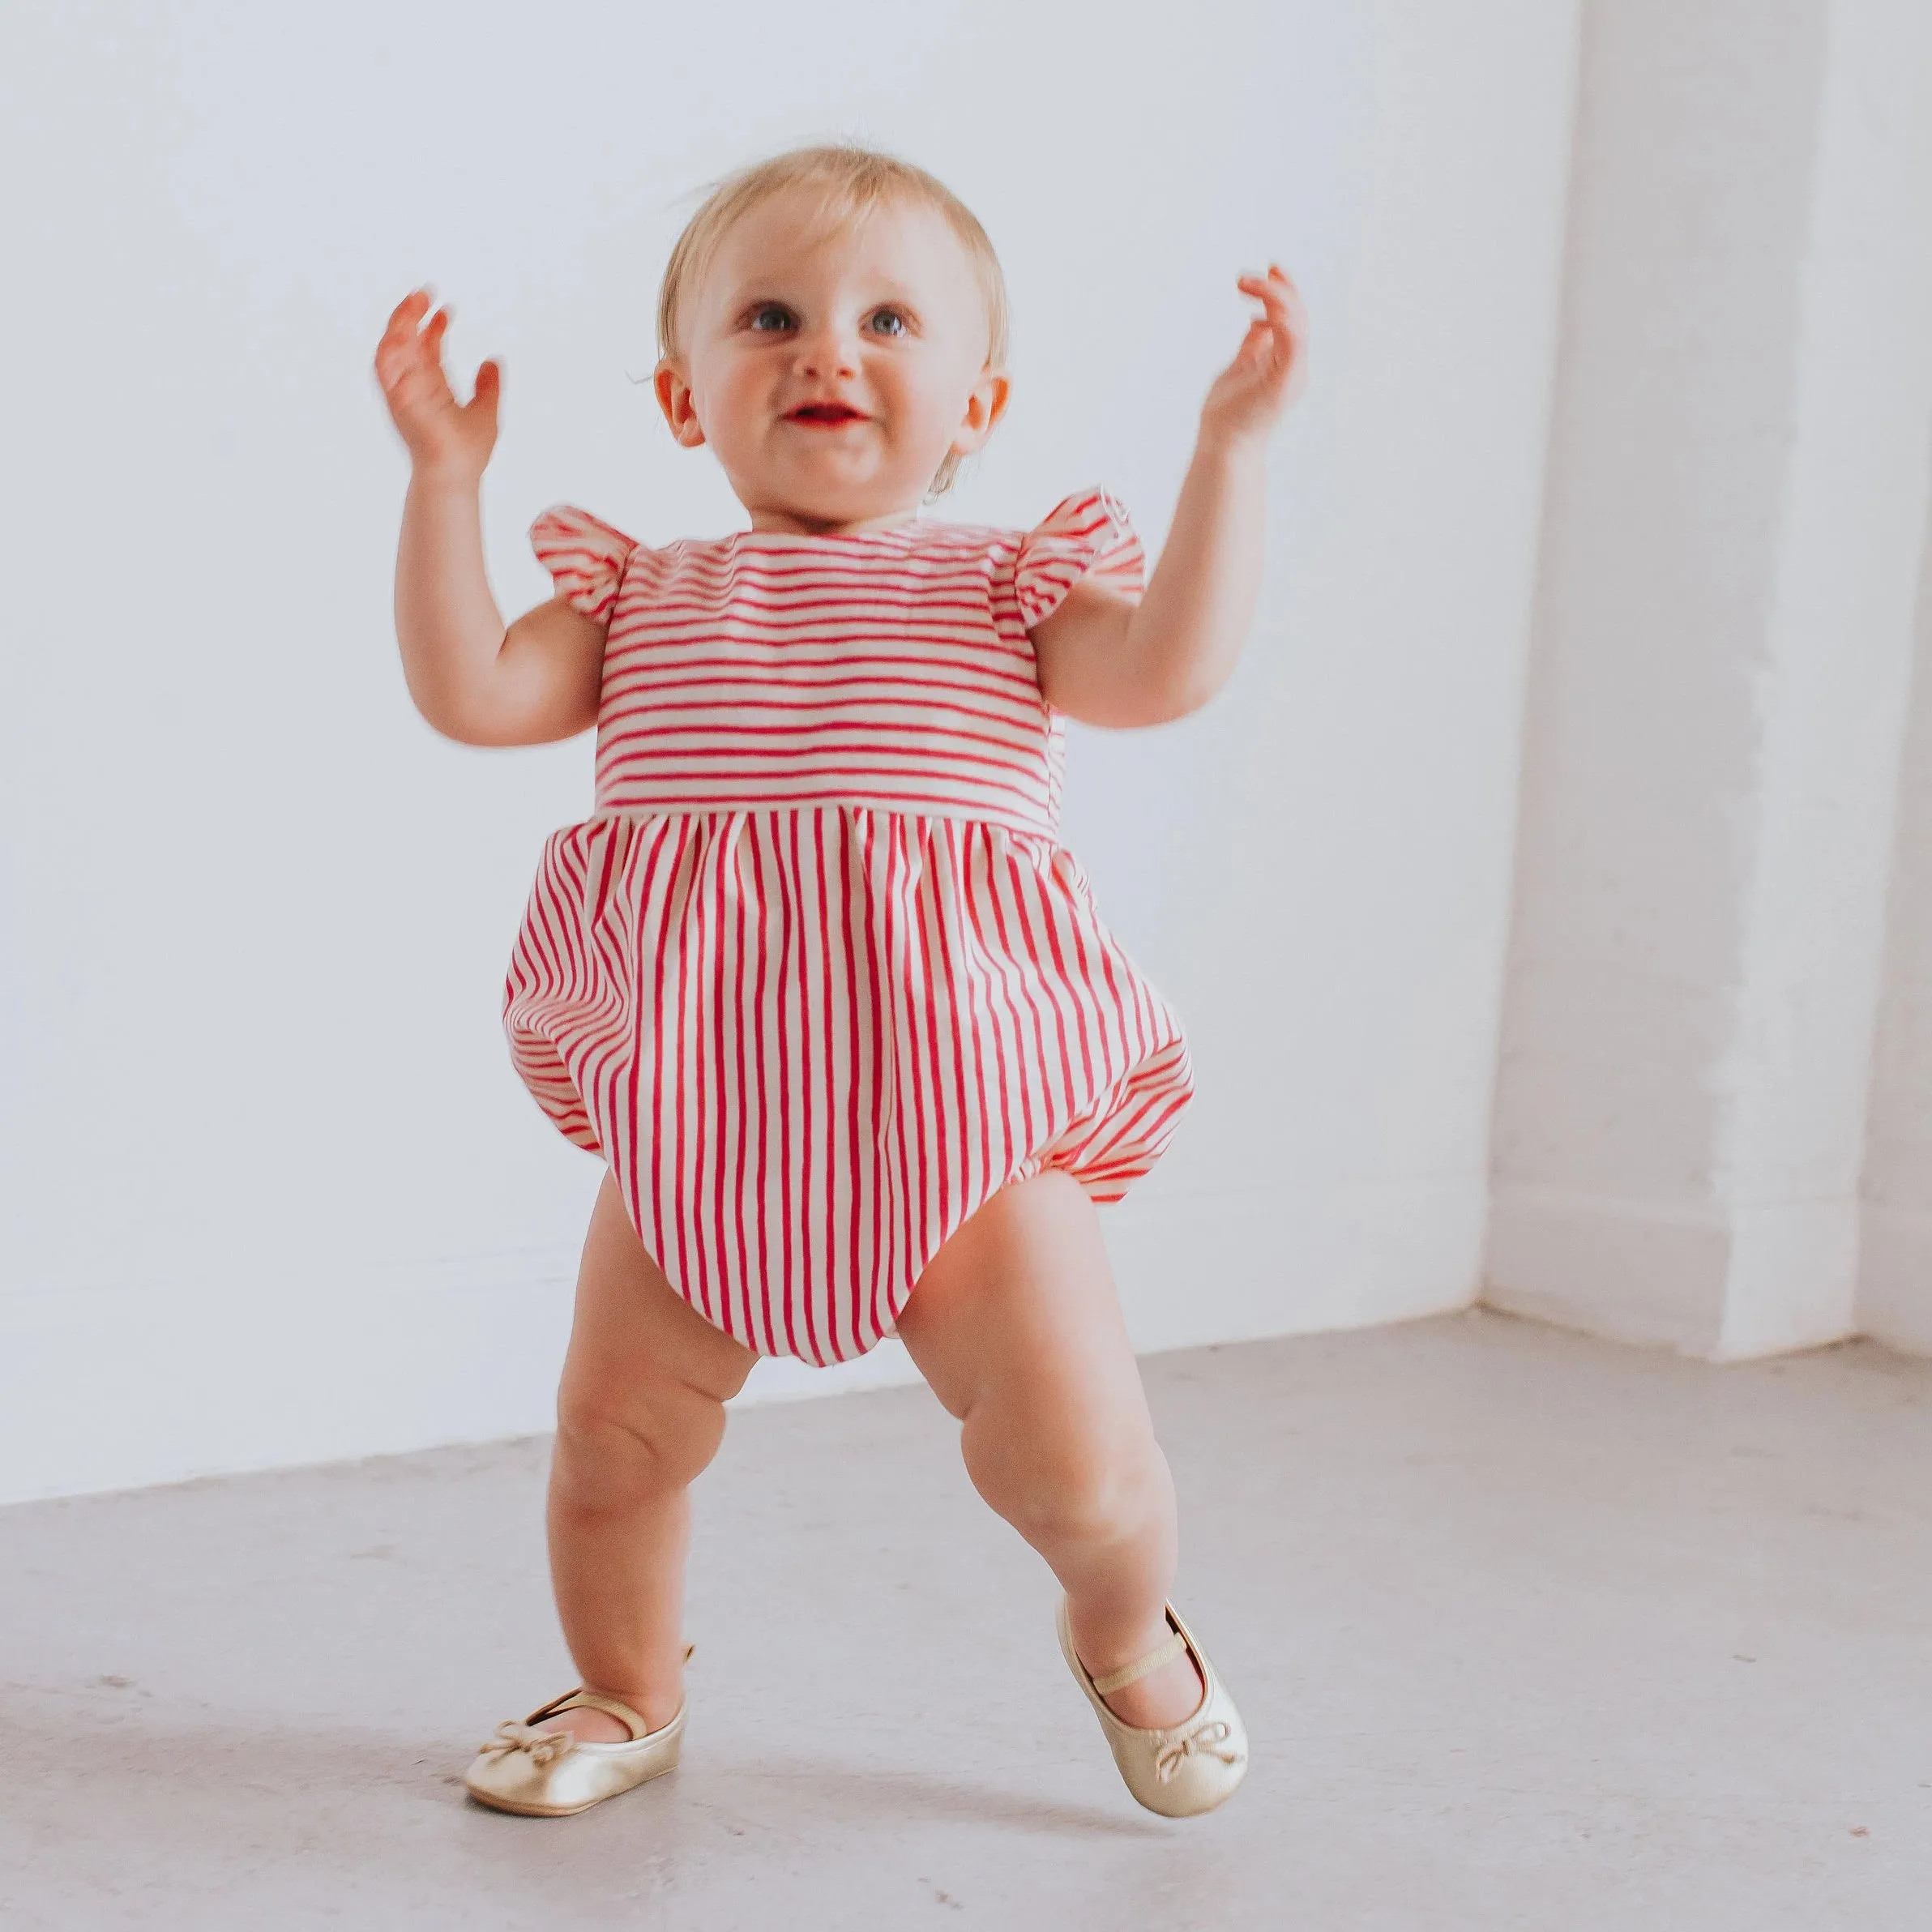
x=612, y=1450
x=1071, y=1493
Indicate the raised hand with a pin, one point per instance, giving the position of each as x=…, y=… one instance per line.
x=1270, y=369
x=446, y=438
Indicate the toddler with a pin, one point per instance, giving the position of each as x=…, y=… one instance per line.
x=816, y=981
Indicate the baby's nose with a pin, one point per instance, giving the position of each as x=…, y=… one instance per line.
x=828, y=353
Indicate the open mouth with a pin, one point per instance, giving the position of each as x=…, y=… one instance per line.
x=825, y=416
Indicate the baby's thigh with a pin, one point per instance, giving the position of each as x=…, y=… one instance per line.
x=640, y=1356
x=1016, y=1318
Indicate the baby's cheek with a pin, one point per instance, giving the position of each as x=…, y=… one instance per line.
x=927, y=419
x=734, y=412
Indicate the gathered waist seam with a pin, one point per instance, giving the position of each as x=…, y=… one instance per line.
x=711, y=809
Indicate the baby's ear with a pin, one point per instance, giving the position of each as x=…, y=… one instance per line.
x=985, y=406
x=675, y=398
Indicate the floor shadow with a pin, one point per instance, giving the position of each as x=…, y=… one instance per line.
x=163, y=1800
x=863, y=1798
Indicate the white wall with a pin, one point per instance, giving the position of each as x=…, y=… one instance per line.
x=1736, y=501
x=1895, y=1295
x=272, y=1192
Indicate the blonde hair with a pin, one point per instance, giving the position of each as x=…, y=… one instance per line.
x=850, y=180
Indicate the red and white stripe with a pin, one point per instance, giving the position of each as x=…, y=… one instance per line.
x=817, y=979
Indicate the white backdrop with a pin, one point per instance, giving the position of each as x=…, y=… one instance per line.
x=272, y=1192
x=1714, y=1118
x=1895, y=1273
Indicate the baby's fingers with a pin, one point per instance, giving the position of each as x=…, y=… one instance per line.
x=413, y=382
x=411, y=358
x=1282, y=325
x=399, y=332
x=1278, y=296
x=407, y=313
x=405, y=319
x=489, y=387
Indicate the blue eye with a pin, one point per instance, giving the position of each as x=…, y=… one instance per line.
x=770, y=317
x=889, y=321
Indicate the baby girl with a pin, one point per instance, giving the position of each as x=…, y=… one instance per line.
x=816, y=981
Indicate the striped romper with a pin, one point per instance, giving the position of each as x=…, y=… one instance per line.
x=816, y=978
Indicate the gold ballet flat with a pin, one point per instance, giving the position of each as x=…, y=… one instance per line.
x=1188, y=1768
x=551, y=1774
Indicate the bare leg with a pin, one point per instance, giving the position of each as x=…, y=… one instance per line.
x=1016, y=1326
x=639, y=1413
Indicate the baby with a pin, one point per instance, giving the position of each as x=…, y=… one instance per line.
x=816, y=981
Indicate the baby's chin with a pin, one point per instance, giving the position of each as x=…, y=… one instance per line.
x=822, y=491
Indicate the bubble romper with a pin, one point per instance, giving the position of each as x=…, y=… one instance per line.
x=816, y=979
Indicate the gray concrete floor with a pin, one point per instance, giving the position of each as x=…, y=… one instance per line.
x=1530, y=1631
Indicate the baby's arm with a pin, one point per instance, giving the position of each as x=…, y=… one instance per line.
x=473, y=678
x=1106, y=661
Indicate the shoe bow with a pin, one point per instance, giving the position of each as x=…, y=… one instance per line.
x=544, y=1747
x=1208, y=1739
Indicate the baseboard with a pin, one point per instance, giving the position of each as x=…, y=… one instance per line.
x=133, y=1384
x=1895, y=1284
x=1607, y=1268
x=1240, y=1265
x=1754, y=1280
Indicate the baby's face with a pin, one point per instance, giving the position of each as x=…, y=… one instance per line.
x=832, y=366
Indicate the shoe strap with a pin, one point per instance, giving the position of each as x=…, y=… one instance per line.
x=1176, y=1646
x=588, y=1700
x=581, y=1699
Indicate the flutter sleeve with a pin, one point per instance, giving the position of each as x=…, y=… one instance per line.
x=584, y=555
x=1084, y=535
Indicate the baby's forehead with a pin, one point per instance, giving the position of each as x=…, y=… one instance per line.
x=794, y=232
